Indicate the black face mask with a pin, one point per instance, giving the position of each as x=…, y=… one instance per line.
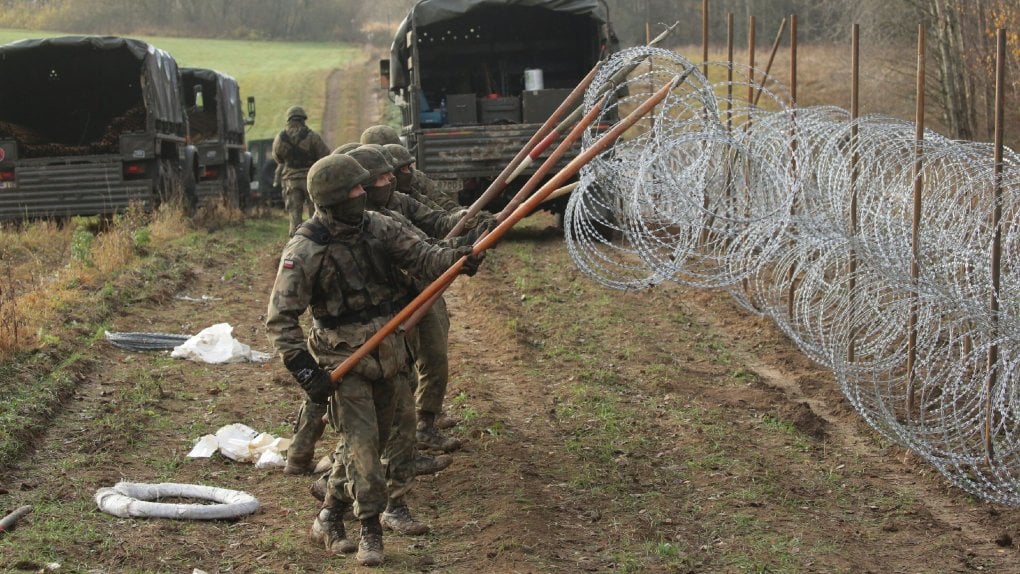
x=349, y=211
x=379, y=196
x=403, y=181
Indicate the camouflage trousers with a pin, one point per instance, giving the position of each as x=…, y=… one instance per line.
x=374, y=459
x=430, y=345
x=307, y=430
x=295, y=198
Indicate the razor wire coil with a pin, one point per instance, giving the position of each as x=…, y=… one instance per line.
x=806, y=215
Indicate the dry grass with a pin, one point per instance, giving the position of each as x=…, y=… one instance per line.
x=48, y=268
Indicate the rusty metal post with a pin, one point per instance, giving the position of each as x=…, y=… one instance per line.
x=855, y=111
x=915, y=244
x=704, y=37
x=750, y=59
x=792, y=295
x=772, y=57
x=993, y=350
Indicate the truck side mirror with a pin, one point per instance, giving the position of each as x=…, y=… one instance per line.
x=251, y=111
x=384, y=74
x=199, y=100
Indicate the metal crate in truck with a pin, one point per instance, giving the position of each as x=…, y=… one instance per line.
x=489, y=68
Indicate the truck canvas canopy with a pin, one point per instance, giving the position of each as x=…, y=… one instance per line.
x=485, y=37
x=68, y=89
x=221, y=98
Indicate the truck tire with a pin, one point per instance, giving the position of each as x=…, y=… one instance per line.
x=169, y=188
x=231, y=193
x=244, y=189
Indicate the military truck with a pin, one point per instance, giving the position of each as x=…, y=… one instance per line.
x=264, y=188
x=89, y=124
x=216, y=124
x=475, y=79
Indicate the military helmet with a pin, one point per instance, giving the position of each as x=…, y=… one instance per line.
x=347, y=147
x=296, y=112
x=333, y=177
x=401, y=156
x=380, y=135
x=371, y=159
x=385, y=152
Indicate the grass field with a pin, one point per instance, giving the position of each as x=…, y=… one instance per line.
x=278, y=74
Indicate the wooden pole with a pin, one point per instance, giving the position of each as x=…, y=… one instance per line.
x=11, y=520
x=496, y=234
x=526, y=190
x=499, y=184
x=915, y=245
x=791, y=296
x=704, y=37
x=772, y=57
x=993, y=350
x=855, y=90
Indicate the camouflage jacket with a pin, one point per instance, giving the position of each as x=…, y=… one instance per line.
x=354, y=279
x=296, y=148
x=434, y=222
x=423, y=185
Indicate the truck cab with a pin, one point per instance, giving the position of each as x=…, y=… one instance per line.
x=475, y=79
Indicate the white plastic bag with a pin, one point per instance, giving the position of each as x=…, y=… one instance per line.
x=244, y=444
x=216, y=345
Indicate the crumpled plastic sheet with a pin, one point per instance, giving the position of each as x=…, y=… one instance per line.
x=244, y=444
x=133, y=500
x=217, y=346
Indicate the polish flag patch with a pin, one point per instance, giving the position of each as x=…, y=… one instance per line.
x=288, y=263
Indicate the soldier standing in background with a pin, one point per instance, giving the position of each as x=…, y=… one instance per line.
x=295, y=149
x=351, y=268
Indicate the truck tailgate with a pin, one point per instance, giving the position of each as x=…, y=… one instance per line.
x=84, y=185
x=478, y=151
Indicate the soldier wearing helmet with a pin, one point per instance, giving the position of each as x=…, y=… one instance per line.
x=295, y=149
x=425, y=222
x=420, y=186
x=351, y=269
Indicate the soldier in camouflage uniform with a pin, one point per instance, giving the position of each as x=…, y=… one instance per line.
x=295, y=149
x=430, y=338
x=351, y=268
x=420, y=186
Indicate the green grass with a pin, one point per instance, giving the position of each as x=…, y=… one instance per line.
x=278, y=74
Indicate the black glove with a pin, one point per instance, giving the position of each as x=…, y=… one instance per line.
x=486, y=225
x=472, y=263
x=314, y=380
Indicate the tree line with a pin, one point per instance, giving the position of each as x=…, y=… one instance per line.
x=960, y=33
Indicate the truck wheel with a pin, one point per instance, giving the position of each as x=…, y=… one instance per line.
x=165, y=183
x=244, y=189
x=231, y=197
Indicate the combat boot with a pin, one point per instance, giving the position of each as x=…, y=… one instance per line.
x=426, y=464
x=328, y=530
x=446, y=421
x=429, y=436
x=319, y=487
x=399, y=519
x=370, y=549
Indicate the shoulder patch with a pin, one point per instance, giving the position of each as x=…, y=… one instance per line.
x=288, y=263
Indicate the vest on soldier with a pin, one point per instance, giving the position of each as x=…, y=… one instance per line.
x=356, y=283
x=295, y=155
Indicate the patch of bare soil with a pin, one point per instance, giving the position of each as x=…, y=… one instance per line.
x=666, y=430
